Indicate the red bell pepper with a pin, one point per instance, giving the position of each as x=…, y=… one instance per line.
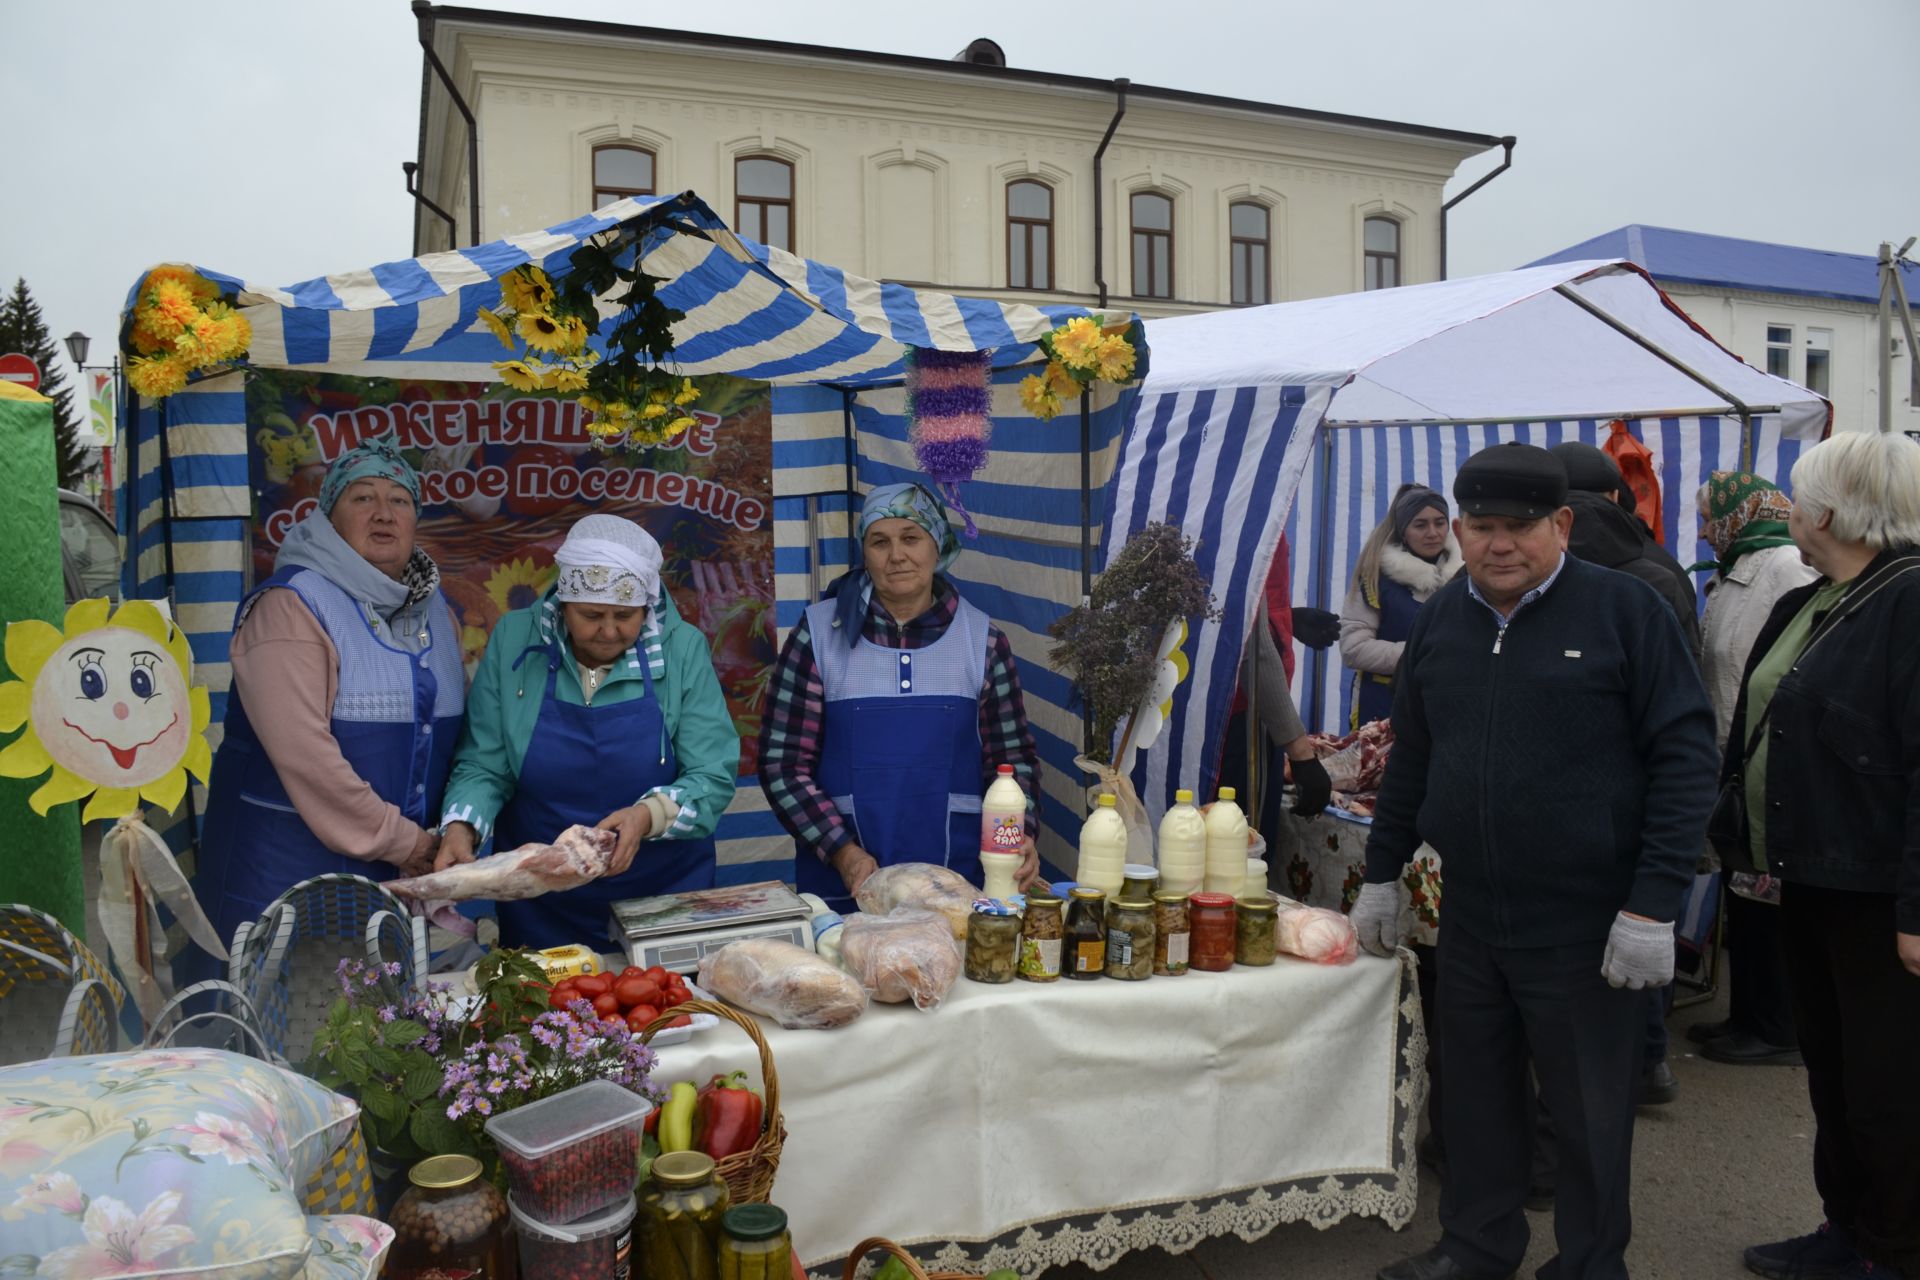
x=726, y=1118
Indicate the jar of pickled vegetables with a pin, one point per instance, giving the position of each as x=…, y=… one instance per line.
x=1171, y=933
x=754, y=1244
x=1130, y=939
x=993, y=942
x=450, y=1221
x=1085, y=955
x=1142, y=881
x=682, y=1203
x=1255, y=922
x=1211, y=917
x=1040, y=937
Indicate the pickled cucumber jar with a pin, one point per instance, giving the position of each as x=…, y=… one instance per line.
x=1040, y=937
x=1254, y=925
x=1085, y=955
x=754, y=1244
x=1130, y=939
x=1171, y=933
x=450, y=1221
x=993, y=942
x=677, y=1230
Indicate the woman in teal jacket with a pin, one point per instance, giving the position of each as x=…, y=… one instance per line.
x=595, y=706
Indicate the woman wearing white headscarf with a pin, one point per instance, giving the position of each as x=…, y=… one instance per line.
x=596, y=705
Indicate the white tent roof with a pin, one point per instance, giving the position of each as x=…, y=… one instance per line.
x=1565, y=341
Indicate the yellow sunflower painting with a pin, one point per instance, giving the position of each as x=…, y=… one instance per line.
x=107, y=707
x=518, y=583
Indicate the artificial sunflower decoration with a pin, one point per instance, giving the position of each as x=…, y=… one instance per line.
x=1081, y=352
x=107, y=706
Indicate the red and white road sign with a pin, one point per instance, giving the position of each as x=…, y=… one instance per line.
x=19, y=369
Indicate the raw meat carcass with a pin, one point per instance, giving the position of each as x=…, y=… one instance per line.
x=578, y=856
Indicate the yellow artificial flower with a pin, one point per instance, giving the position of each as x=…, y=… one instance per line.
x=1036, y=398
x=652, y=411
x=1061, y=384
x=1115, y=359
x=1077, y=342
x=497, y=327
x=561, y=378
x=678, y=426
x=573, y=333
x=158, y=376
x=165, y=309
x=145, y=343
x=687, y=394
x=520, y=375
x=526, y=289
x=542, y=331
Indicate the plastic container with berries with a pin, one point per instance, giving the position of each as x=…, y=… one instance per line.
x=595, y=1248
x=574, y=1153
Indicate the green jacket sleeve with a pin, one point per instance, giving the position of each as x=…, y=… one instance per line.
x=484, y=775
x=704, y=739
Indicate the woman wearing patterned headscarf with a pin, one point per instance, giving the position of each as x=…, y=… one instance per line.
x=347, y=696
x=1744, y=519
x=596, y=705
x=890, y=710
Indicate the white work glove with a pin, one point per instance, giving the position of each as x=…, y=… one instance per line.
x=1639, y=953
x=1376, y=917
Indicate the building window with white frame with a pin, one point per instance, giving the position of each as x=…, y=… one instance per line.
x=1780, y=351
x=1380, y=246
x=1029, y=234
x=1250, y=253
x=763, y=200
x=1820, y=361
x=1152, y=244
x=619, y=171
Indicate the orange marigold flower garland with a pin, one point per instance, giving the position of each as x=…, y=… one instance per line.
x=180, y=326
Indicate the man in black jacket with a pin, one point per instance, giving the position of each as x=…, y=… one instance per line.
x=1554, y=743
x=1607, y=531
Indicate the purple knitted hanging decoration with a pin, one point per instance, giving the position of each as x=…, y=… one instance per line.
x=947, y=418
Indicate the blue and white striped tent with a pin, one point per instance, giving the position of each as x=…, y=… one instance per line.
x=831, y=343
x=1304, y=417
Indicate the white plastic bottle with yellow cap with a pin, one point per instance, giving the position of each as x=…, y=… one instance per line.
x=1226, y=845
x=1183, y=846
x=1103, y=849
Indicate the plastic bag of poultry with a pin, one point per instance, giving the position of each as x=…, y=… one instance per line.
x=580, y=855
x=1315, y=933
x=908, y=954
x=919, y=884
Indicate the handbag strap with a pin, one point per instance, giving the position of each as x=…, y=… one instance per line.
x=1848, y=606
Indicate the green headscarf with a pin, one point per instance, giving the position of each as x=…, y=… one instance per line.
x=1744, y=513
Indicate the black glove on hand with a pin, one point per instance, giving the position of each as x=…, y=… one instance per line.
x=1315, y=628
x=1312, y=788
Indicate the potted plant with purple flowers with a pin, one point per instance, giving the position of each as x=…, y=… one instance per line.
x=429, y=1071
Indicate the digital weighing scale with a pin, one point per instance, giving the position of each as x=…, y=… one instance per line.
x=675, y=930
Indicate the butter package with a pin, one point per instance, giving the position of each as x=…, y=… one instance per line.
x=572, y=961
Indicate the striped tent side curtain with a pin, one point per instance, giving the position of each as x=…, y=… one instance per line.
x=751, y=311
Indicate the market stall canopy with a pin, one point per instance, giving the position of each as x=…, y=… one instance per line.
x=751, y=310
x=1571, y=340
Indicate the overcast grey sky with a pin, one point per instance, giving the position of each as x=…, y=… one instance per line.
x=264, y=137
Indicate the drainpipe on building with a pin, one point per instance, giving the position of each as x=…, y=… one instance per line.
x=423, y=12
x=410, y=169
x=1099, y=197
x=1506, y=162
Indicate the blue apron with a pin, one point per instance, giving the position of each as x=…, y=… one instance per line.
x=897, y=759
x=1373, y=696
x=582, y=763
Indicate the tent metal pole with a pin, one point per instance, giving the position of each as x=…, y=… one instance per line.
x=1634, y=337
x=1632, y=415
x=1322, y=569
x=853, y=504
x=1086, y=541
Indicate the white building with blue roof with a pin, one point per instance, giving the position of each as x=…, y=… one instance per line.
x=1808, y=315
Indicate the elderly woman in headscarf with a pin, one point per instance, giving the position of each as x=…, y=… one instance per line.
x=1409, y=555
x=891, y=709
x=346, y=703
x=597, y=706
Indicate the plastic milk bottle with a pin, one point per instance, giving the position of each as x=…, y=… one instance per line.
x=1103, y=849
x=1183, y=847
x=1226, y=845
x=1003, y=827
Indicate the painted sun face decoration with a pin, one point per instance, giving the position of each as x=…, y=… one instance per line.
x=106, y=707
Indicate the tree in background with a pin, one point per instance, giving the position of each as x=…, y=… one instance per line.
x=24, y=330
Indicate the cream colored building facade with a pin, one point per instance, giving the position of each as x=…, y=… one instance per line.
x=900, y=167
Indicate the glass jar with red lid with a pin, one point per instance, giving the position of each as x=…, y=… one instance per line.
x=1213, y=922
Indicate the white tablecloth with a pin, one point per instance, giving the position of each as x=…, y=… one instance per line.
x=1030, y=1125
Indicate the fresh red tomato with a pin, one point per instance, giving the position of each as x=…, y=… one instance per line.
x=656, y=975
x=563, y=995
x=615, y=1021
x=606, y=1003
x=641, y=1014
x=633, y=991
x=682, y=1021
x=593, y=984
x=633, y=971
x=675, y=998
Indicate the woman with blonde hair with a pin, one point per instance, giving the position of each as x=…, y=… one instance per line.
x=1821, y=790
x=1410, y=555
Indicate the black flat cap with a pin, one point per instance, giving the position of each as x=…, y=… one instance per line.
x=1519, y=480
x=1588, y=468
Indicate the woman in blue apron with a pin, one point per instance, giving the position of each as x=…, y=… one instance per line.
x=346, y=703
x=597, y=706
x=891, y=708
x=1410, y=555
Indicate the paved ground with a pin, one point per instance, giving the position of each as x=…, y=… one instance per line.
x=1726, y=1165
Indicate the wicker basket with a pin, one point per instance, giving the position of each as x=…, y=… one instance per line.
x=883, y=1245
x=749, y=1174
x=56, y=998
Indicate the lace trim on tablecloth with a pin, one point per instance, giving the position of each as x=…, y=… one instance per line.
x=1101, y=1238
